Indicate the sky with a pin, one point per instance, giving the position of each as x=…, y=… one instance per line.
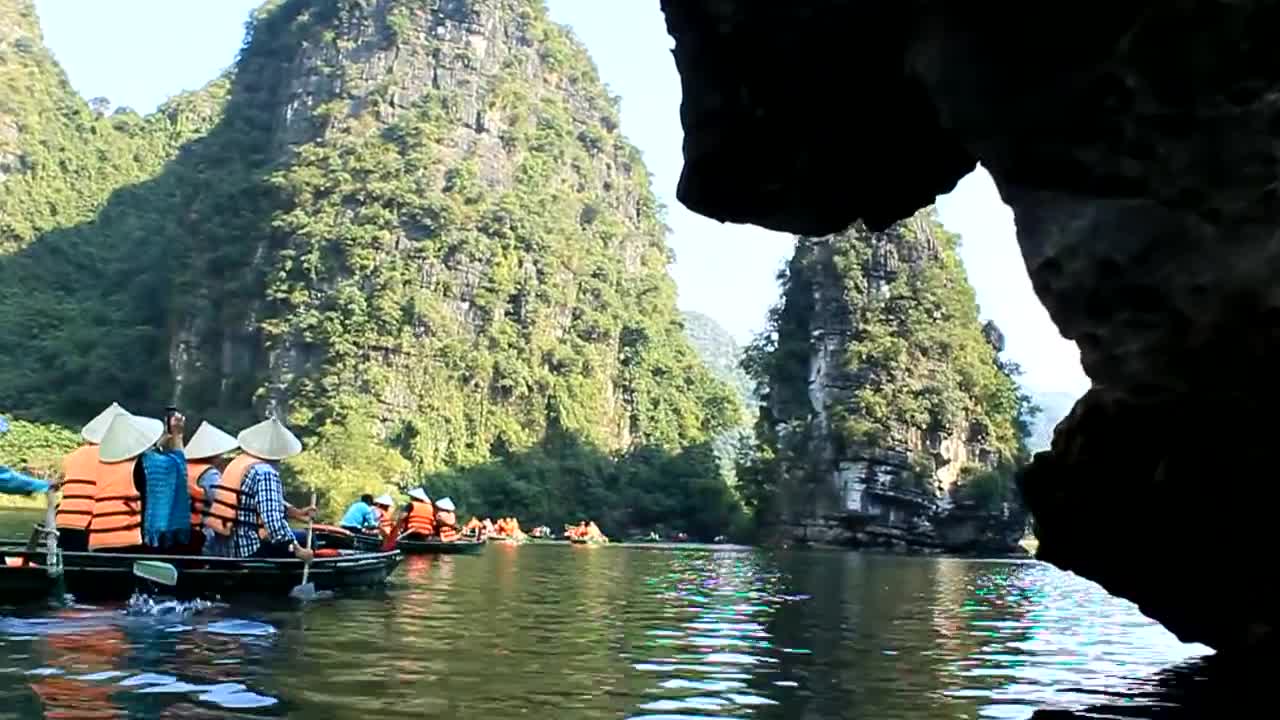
x=140, y=52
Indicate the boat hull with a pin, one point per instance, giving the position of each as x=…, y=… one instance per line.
x=20, y=585
x=103, y=575
x=346, y=540
x=435, y=547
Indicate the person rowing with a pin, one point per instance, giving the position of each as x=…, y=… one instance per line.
x=13, y=482
x=248, y=503
x=361, y=517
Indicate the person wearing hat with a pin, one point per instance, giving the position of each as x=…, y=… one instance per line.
x=247, y=505
x=13, y=482
x=361, y=517
x=141, y=492
x=80, y=482
x=446, y=520
x=208, y=453
x=384, y=505
x=418, y=518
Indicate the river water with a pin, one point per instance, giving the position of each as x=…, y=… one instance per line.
x=565, y=632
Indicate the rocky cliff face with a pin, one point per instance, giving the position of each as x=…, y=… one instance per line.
x=1135, y=144
x=885, y=399
x=414, y=212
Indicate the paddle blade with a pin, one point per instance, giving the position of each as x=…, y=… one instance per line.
x=156, y=571
x=305, y=591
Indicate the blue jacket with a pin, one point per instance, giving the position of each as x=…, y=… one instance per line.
x=13, y=482
x=360, y=515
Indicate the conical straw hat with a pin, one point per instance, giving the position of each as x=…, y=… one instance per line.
x=384, y=500
x=419, y=494
x=269, y=440
x=446, y=504
x=209, y=441
x=97, y=427
x=128, y=436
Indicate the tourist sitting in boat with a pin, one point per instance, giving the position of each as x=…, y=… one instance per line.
x=475, y=529
x=446, y=521
x=361, y=517
x=594, y=534
x=80, y=483
x=248, y=503
x=13, y=482
x=140, y=497
x=208, y=453
x=384, y=506
x=418, y=518
x=508, y=528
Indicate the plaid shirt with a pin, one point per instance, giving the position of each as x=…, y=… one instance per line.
x=261, y=495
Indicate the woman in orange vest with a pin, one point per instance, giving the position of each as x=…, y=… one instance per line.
x=80, y=483
x=208, y=453
x=446, y=520
x=117, y=518
x=419, y=516
x=384, y=505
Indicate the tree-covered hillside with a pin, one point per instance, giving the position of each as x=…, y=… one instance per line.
x=719, y=351
x=880, y=383
x=412, y=228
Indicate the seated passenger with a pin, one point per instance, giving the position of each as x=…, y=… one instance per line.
x=419, y=516
x=248, y=503
x=446, y=521
x=361, y=517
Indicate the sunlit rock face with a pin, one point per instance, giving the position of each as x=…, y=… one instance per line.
x=1136, y=146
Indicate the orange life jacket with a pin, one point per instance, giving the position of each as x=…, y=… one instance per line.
x=80, y=483
x=474, y=524
x=421, y=519
x=385, y=522
x=226, y=497
x=447, y=523
x=194, y=470
x=117, y=508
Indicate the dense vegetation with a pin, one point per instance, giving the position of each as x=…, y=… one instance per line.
x=915, y=358
x=720, y=352
x=429, y=271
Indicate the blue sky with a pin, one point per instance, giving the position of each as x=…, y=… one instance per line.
x=139, y=52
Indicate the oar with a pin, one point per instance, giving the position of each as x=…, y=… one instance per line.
x=156, y=571
x=307, y=590
x=54, y=560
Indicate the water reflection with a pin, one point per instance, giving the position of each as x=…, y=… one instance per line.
x=584, y=632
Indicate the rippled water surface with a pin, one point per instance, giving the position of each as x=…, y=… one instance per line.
x=582, y=632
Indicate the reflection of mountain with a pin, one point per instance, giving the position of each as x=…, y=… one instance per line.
x=1053, y=407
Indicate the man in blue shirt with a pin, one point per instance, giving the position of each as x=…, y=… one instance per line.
x=13, y=482
x=361, y=517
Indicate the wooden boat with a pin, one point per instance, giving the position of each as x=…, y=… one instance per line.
x=588, y=541
x=106, y=575
x=20, y=585
x=332, y=536
x=417, y=546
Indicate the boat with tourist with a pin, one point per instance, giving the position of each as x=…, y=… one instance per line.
x=108, y=575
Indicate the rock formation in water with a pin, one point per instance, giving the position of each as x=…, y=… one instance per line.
x=1135, y=143
x=887, y=414
x=412, y=227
